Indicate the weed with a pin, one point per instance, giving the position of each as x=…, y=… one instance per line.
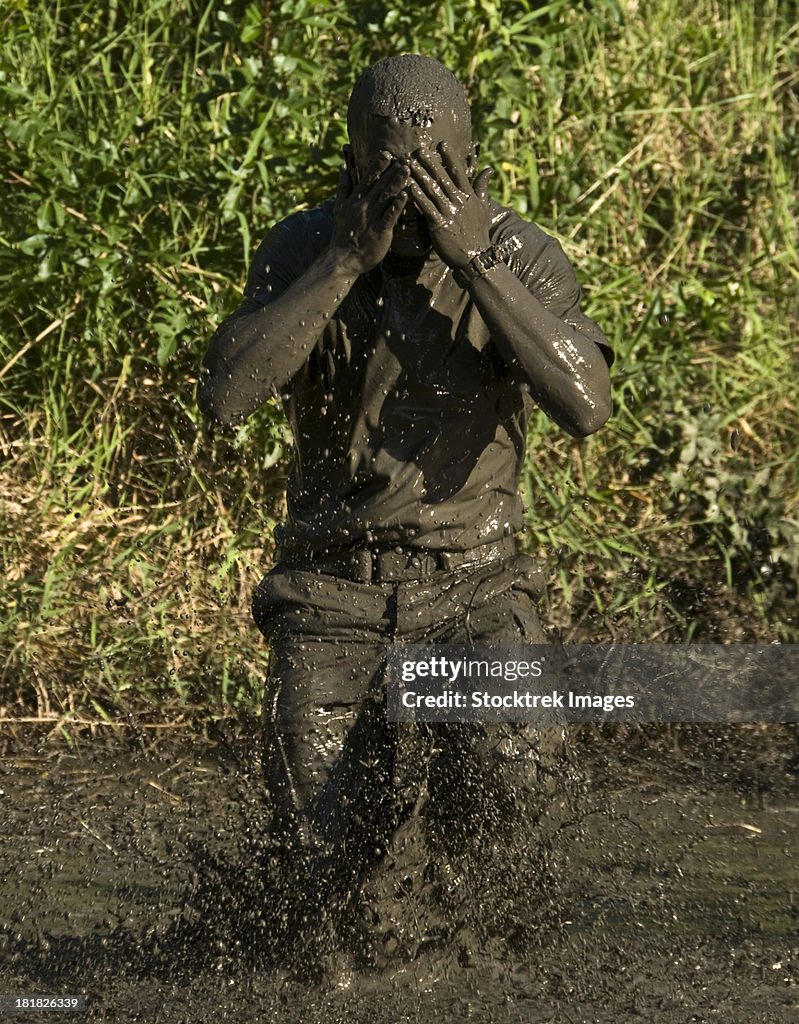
x=148, y=147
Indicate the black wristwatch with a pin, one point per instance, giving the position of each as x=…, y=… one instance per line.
x=478, y=266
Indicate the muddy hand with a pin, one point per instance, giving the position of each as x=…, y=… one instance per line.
x=365, y=216
x=457, y=214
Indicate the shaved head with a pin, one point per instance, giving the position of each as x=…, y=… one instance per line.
x=410, y=89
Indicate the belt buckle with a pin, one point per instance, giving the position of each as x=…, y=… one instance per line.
x=380, y=565
x=393, y=564
x=362, y=564
x=390, y=566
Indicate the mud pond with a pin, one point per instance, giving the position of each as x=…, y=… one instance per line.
x=130, y=875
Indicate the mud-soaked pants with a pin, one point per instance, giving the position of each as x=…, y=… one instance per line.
x=341, y=777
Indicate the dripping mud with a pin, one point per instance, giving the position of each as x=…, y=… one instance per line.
x=663, y=886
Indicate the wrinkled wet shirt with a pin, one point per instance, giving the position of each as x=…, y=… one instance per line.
x=409, y=427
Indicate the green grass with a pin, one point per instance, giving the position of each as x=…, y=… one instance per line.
x=148, y=147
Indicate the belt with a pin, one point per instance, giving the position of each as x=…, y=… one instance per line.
x=395, y=565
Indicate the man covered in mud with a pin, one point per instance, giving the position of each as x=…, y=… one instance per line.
x=409, y=326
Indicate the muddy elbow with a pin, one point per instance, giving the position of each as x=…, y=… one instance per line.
x=590, y=418
x=213, y=405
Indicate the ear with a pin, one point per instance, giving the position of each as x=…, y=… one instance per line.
x=349, y=160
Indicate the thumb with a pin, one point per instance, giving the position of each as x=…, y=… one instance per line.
x=481, y=183
x=344, y=186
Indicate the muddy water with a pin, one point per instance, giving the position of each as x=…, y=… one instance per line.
x=132, y=875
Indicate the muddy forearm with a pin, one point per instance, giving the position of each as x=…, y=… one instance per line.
x=566, y=372
x=256, y=356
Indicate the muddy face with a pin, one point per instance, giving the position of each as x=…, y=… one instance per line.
x=401, y=139
x=398, y=106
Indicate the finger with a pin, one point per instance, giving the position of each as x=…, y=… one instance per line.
x=343, y=193
x=424, y=203
x=385, y=162
x=390, y=183
x=444, y=207
x=481, y=184
x=455, y=168
x=438, y=173
x=345, y=185
x=397, y=205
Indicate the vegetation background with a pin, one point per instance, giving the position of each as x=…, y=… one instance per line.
x=148, y=146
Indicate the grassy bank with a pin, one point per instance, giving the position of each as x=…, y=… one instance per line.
x=149, y=146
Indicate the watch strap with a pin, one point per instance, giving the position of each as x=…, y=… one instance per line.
x=478, y=266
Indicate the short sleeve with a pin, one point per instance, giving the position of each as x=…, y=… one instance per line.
x=538, y=260
x=282, y=257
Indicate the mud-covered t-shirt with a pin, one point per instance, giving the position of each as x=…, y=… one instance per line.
x=409, y=427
